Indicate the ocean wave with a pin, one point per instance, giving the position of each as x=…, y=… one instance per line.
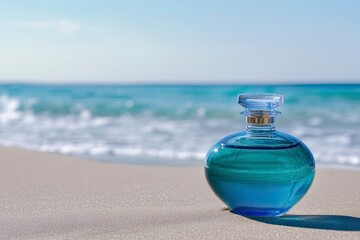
x=176, y=126
x=148, y=139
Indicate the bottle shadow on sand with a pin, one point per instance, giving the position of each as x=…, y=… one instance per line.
x=328, y=222
x=325, y=222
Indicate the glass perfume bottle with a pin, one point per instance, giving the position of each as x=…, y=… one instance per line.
x=260, y=171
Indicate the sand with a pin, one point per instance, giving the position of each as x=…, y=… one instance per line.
x=47, y=196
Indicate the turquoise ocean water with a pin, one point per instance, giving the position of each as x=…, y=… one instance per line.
x=172, y=125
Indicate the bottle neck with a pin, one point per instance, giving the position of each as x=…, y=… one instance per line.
x=259, y=124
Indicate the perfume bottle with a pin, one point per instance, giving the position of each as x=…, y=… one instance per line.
x=260, y=171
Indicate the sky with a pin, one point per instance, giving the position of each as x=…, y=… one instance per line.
x=184, y=41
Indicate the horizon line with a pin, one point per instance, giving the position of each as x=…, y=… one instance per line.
x=181, y=82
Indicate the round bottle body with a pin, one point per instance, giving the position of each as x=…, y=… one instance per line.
x=259, y=174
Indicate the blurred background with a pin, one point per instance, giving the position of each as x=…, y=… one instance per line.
x=155, y=82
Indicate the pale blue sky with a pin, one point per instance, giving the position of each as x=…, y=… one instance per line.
x=180, y=41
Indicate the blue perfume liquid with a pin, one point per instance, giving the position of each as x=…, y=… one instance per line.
x=260, y=171
x=264, y=179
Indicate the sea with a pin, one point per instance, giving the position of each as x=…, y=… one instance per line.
x=172, y=124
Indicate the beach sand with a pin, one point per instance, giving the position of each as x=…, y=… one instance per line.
x=48, y=196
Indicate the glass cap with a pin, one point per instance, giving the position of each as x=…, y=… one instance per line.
x=260, y=102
